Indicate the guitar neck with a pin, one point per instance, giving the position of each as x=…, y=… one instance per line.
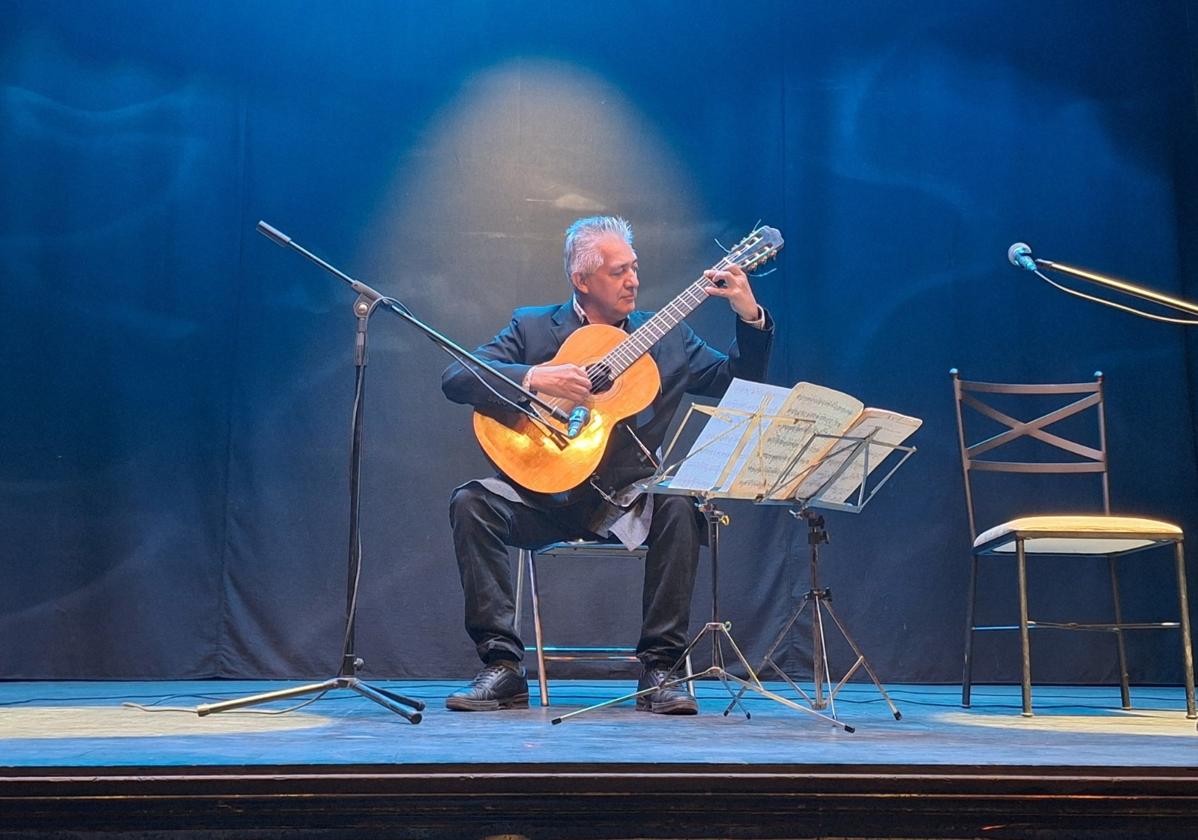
x=760, y=245
x=649, y=333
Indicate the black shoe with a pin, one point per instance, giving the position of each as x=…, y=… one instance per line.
x=501, y=685
x=672, y=700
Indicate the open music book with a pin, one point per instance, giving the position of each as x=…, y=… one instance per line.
x=764, y=441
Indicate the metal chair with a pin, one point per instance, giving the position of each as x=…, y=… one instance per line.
x=1101, y=535
x=527, y=564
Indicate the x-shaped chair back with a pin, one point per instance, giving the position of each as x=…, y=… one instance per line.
x=1088, y=459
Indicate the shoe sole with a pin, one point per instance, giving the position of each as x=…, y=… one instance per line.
x=461, y=704
x=674, y=707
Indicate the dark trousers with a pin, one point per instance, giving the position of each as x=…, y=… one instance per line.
x=485, y=524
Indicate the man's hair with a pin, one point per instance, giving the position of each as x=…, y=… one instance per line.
x=581, y=252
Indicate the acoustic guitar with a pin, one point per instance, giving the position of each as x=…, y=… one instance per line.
x=624, y=379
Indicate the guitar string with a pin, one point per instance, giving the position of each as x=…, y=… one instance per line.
x=599, y=371
x=653, y=331
x=628, y=351
x=616, y=362
x=637, y=344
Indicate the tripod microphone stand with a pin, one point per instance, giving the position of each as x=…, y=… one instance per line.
x=346, y=677
x=364, y=306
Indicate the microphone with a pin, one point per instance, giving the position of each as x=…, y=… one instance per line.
x=579, y=417
x=1020, y=256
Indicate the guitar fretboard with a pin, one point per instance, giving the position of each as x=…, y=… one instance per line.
x=650, y=332
x=760, y=245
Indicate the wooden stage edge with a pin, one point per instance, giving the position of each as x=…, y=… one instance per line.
x=620, y=801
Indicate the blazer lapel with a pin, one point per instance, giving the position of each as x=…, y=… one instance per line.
x=564, y=321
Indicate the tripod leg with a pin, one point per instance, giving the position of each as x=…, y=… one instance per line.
x=388, y=699
x=385, y=699
x=669, y=680
x=724, y=677
x=684, y=659
x=777, y=698
x=819, y=656
x=271, y=696
x=397, y=697
x=769, y=654
x=864, y=662
x=785, y=677
x=768, y=659
x=754, y=679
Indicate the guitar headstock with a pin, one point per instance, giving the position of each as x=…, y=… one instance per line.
x=761, y=245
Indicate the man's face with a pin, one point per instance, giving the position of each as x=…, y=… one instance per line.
x=608, y=294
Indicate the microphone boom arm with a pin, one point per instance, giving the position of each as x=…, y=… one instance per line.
x=1123, y=287
x=448, y=345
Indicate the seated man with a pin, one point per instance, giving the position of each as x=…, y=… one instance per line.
x=489, y=515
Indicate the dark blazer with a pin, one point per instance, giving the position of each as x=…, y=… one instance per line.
x=687, y=364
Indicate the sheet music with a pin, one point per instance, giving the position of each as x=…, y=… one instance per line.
x=717, y=443
x=764, y=441
x=829, y=411
x=891, y=430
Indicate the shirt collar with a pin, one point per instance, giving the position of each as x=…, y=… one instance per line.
x=582, y=315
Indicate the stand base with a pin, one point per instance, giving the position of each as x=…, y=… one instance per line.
x=821, y=599
x=387, y=699
x=719, y=632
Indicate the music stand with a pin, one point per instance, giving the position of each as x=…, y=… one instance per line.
x=749, y=427
x=841, y=458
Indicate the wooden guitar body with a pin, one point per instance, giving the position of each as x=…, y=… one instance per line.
x=537, y=461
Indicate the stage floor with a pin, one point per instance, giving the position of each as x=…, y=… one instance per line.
x=69, y=751
x=89, y=724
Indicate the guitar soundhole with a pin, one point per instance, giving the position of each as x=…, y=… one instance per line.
x=601, y=380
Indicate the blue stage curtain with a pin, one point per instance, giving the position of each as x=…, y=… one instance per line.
x=176, y=389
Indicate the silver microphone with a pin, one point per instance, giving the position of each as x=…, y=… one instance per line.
x=1020, y=256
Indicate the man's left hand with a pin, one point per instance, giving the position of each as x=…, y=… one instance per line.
x=734, y=285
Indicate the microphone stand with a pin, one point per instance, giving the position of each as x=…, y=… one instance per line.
x=1121, y=286
x=365, y=304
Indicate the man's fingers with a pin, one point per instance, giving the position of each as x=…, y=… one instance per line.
x=567, y=381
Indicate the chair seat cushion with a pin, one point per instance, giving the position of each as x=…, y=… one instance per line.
x=1077, y=534
x=575, y=548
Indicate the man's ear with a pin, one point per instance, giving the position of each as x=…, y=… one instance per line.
x=579, y=282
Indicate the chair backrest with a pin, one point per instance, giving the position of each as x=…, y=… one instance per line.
x=975, y=400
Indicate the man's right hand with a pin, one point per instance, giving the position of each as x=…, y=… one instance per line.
x=570, y=382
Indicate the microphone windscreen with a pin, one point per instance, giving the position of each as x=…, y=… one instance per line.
x=1020, y=256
